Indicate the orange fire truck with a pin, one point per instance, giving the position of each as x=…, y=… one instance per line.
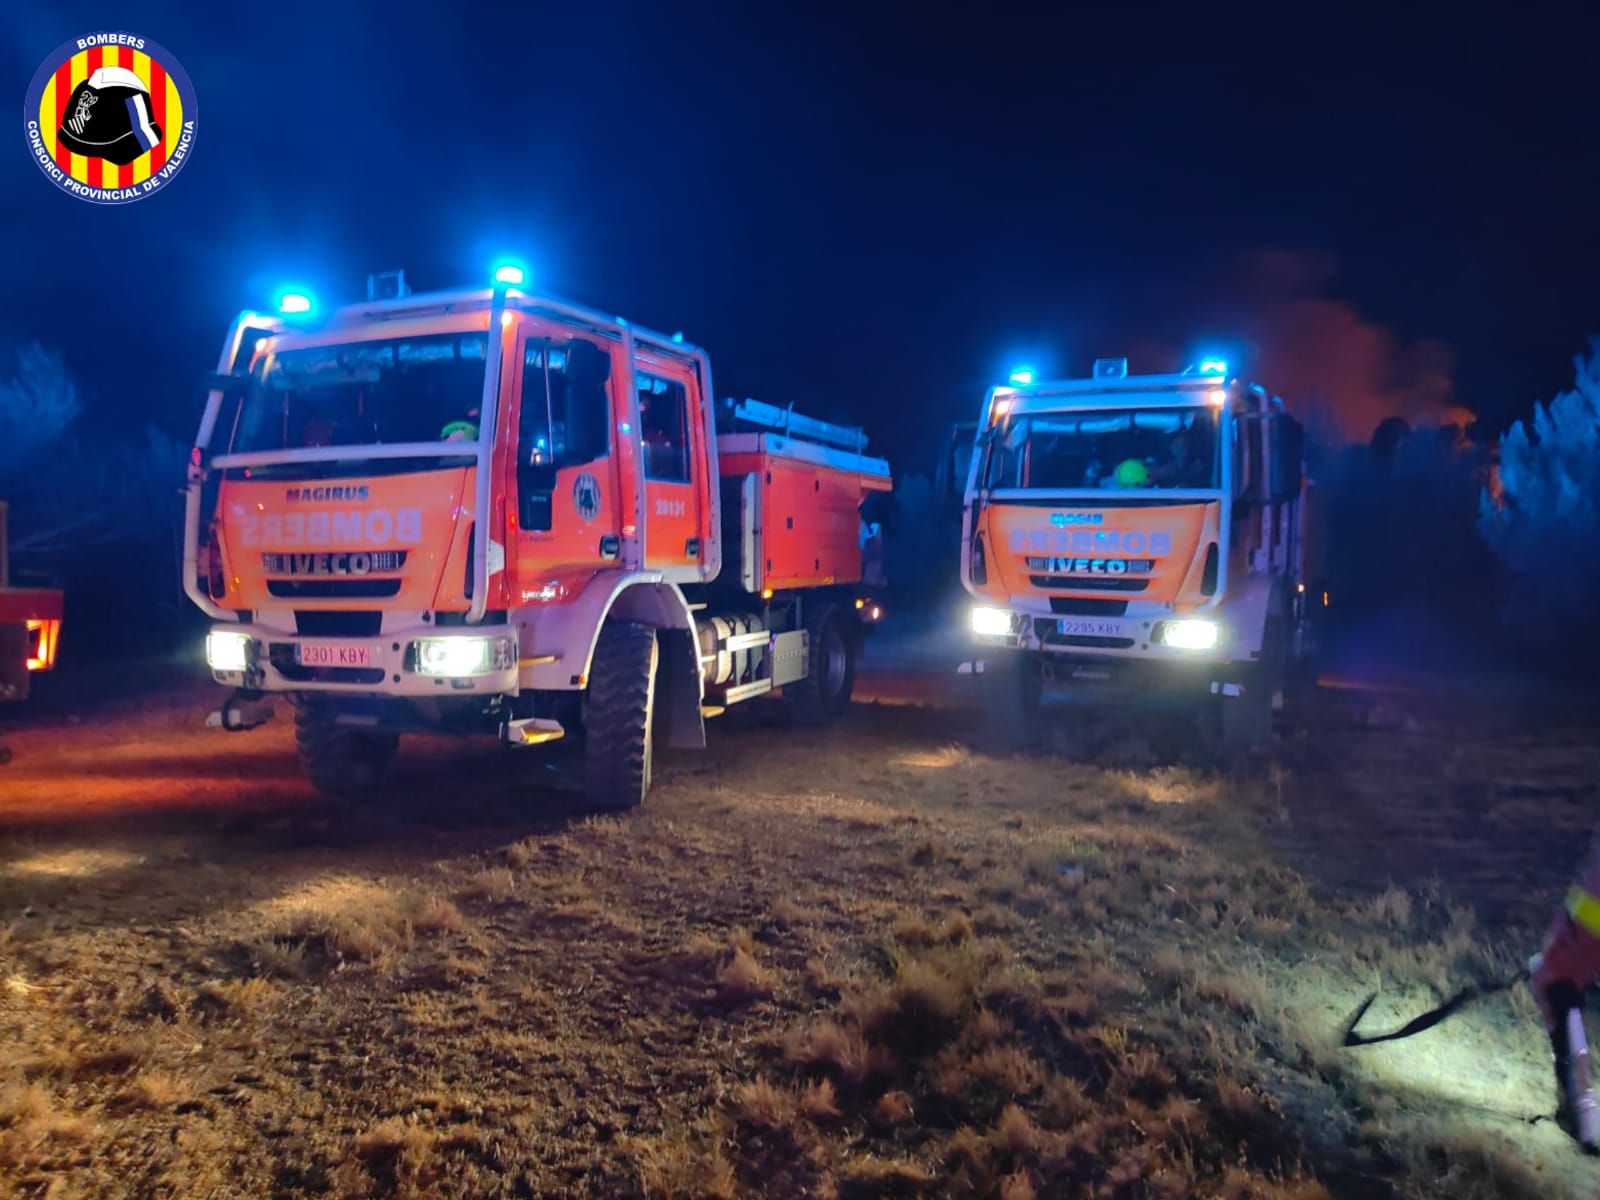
x=485, y=510
x=30, y=628
x=1147, y=529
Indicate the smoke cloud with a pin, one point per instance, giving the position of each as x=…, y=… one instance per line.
x=1329, y=360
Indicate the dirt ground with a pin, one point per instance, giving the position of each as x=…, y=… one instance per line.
x=869, y=960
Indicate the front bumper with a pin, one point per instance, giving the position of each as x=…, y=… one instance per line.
x=387, y=664
x=1131, y=637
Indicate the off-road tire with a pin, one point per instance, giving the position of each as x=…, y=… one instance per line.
x=832, y=642
x=619, y=712
x=1303, y=671
x=340, y=762
x=1246, y=721
x=1013, y=686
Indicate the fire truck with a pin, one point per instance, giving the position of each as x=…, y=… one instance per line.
x=1142, y=530
x=486, y=510
x=30, y=629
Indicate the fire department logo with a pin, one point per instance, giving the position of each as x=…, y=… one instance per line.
x=110, y=118
x=586, y=496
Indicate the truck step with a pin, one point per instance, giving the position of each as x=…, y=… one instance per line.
x=532, y=731
x=746, y=691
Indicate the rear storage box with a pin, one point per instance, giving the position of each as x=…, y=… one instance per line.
x=791, y=510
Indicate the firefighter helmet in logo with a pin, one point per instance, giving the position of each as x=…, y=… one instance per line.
x=586, y=496
x=110, y=117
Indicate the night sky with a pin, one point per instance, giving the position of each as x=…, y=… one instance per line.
x=868, y=210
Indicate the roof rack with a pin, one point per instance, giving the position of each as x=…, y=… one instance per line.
x=760, y=415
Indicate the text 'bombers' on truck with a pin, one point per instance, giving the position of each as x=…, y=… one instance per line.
x=488, y=511
x=1149, y=529
x=30, y=627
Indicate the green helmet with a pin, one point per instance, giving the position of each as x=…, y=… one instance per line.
x=1132, y=473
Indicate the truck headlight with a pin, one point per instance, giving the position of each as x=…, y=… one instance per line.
x=992, y=622
x=1192, y=633
x=455, y=657
x=228, y=650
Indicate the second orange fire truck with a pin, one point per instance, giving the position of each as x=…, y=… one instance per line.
x=1144, y=528
x=487, y=510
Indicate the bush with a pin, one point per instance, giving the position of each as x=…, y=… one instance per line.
x=92, y=510
x=1540, y=512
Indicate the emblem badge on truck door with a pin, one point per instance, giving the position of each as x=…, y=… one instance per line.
x=586, y=496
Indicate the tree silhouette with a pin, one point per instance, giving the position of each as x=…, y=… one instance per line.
x=1541, y=510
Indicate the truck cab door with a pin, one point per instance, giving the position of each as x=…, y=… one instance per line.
x=672, y=429
x=567, y=491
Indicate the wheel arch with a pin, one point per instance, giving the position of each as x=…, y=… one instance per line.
x=571, y=631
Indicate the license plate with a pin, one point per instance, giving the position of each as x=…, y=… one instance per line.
x=333, y=654
x=1088, y=627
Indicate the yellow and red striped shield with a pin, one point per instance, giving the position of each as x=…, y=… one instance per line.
x=169, y=111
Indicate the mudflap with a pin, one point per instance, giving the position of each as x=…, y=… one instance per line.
x=680, y=722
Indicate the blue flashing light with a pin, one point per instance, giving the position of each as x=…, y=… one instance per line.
x=1213, y=366
x=1021, y=376
x=294, y=304
x=678, y=337
x=510, y=273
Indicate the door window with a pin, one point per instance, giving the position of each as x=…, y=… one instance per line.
x=564, y=420
x=664, y=428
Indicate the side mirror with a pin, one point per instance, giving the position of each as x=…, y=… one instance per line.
x=1288, y=459
x=228, y=384
x=956, y=463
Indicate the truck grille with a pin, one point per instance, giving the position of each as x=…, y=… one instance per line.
x=338, y=565
x=333, y=589
x=1067, y=606
x=311, y=623
x=1080, y=584
x=1094, y=643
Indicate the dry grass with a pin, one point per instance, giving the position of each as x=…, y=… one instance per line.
x=519, y=854
x=496, y=885
x=871, y=963
x=398, y=1157
x=237, y=997
x=742, y=979
x=819, y=1101
x=765, y=1106
x=156, y=1090
x=362, y=920
x=34, y=1131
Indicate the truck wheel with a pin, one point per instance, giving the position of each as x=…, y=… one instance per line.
x=1246, y=721
x=618, y=712
x=1012, y=688
x=339, y=761
x=824, y=694
x=1306, y=666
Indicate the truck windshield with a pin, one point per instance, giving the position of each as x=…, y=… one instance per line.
x=421, y=389
x=1110, y=448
